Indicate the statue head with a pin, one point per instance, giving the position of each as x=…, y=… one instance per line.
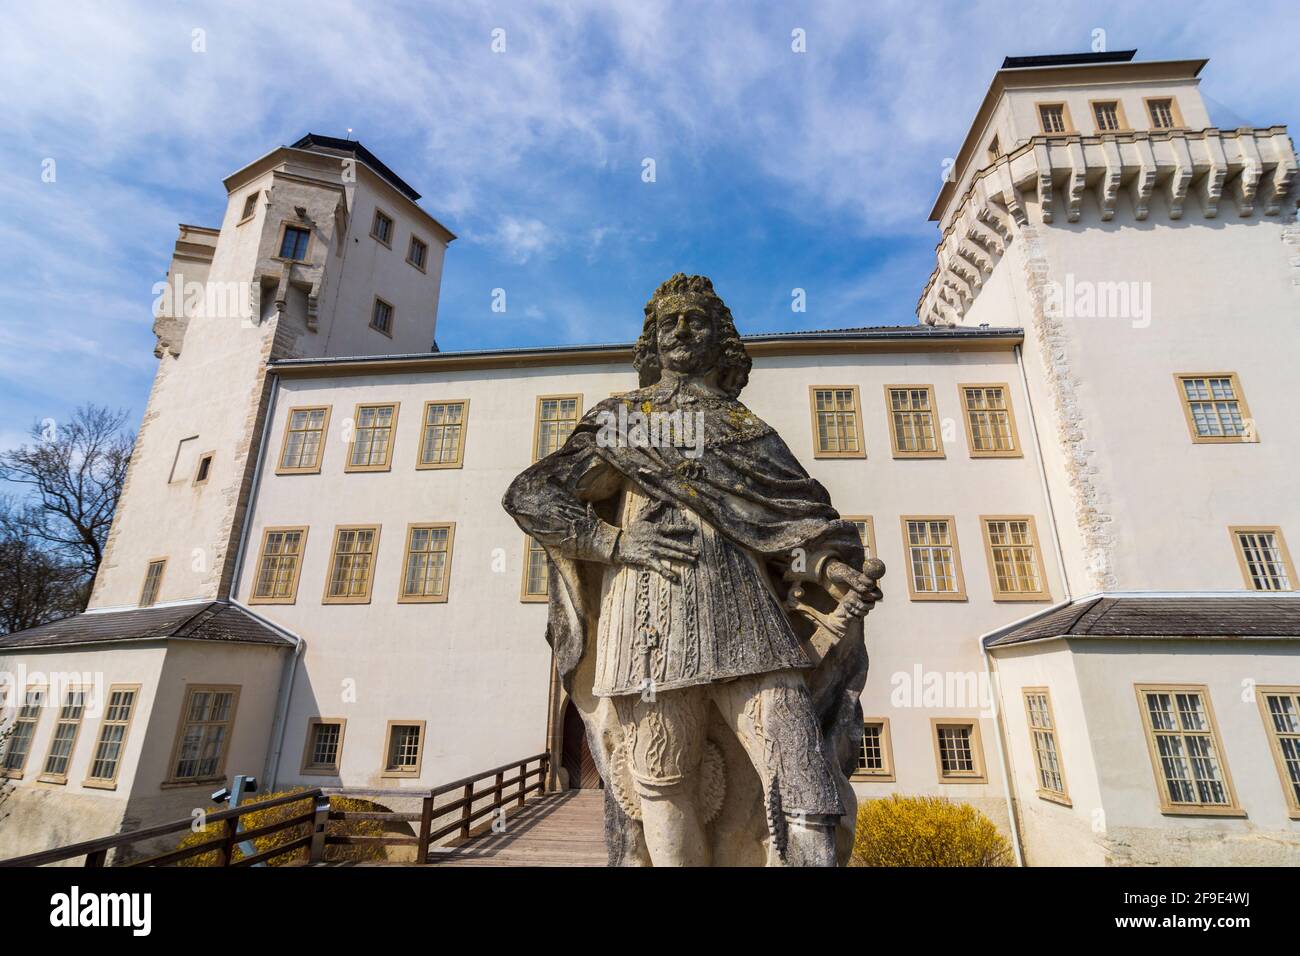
x=689, y=330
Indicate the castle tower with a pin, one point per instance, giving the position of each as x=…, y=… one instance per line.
x=1146, y=252
x=322, y=251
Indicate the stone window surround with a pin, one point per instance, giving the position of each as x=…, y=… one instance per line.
x=1233, y=807
x=980, y=772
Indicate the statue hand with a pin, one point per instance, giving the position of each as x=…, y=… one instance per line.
x=860, y=585
x=644, y=544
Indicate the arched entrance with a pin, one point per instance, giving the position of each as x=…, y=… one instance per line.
x=576, y=757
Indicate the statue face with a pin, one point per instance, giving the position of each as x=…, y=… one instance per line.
x=687, y=338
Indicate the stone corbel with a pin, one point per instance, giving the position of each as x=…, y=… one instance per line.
x=313, y=300
x=1247, y=180
x=981, y=234
x=1279, y=179
x=1078, y=182
x=1144, y=182
x=1210, y=189
x=282, y=288
x=976, y=255
x=994, y=217
x=1043, y=180
x=1181, y=178
x=1108, y=186
x=1008, y=196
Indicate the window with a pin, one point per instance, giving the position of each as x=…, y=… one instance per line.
x=152, y=582
x=324, y=745
x=382, y=228
x=557, y=416
x=866, y=531
x=990, y=424
x=958, y=754
x=837, y=422
x=352, y=567
x=1042, y=739
x=1054, y=117
x=1015, y=563
x=442, y=445
x=911, y=421
x=1108, y=115
x=536, y=571
x=106, y=759
x=1264, y=559
x=1164, y=113
x=995, y=150
x=381, y=317
x=1280, y=707
x=405, y=741
x=875, y=753
x=417, y=253
x=65, y=736
x=204, y=470
x=1185, y=752
x=304, y=440
x=428, y=563
x=372, y=438
x=1215, y=408
x=293, y=245
x=19, y=742
x=934, y=563
x=203, y=738
x=250, y=207
x=278, y=566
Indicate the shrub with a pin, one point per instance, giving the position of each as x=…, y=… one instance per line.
x=285, y=811
x=926, y=831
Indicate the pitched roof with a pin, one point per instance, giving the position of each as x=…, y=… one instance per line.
x=218, y=621
x=319, y=143
x=1162, y=617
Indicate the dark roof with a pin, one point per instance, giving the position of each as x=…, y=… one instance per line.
x=1162, y=617
x=1067, y=59
x=218, y=621
x=319, y=143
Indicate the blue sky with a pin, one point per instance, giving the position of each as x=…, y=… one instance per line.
x=774, y=170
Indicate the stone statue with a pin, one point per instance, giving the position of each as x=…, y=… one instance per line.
x=706, y=606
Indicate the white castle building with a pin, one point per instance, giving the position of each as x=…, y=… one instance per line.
x=1080, y=469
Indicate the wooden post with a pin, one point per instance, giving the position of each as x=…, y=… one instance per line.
x=426, y=823
x=316, y=853
x=523, y=781
x=96, y=858
x=466, y=810
x=232, y=838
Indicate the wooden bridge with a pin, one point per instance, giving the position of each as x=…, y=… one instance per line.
x=556, y=829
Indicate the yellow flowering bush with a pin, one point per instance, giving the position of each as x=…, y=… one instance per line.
x=926, y=831
x=286, y=811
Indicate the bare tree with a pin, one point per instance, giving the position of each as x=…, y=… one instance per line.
x=75, y=471
x=36, y=586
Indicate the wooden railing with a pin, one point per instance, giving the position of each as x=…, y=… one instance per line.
x=502, y=790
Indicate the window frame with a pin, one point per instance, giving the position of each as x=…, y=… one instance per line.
x=326, y=597
x=958, y=574
x=387, y=463
x=161, y=562
x=61, y=779
x=307, y=768
x=171, y=780
x=818, y=451
x=292, y=597
x=936, y=424
x=1016, y=451
x=287, y=224
x=1284, y=553
x=1175, y=113
x=210, y=456
x=1275, y=741
x=1044, y=793
x=110, y=783
x=1166, y=806
x=459, y=462
x=389, y=773
x=41, y=693
x=1066, y=119
x=392, y=316
x=1249, y=435
x=249, y=200
x=314, y=469
x=871, y=532
x=537, y=418
x=886, y=774
x=1044, y=592
x=980, y=772
x=1120, y=116
x=526, y=596
x=409, y=244
x=374, y=223
x=402, y=596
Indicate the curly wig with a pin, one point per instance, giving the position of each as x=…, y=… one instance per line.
x=733, y=362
